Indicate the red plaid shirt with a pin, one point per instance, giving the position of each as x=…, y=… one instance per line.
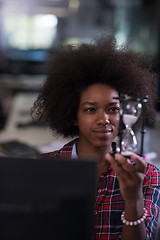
x=110, y=204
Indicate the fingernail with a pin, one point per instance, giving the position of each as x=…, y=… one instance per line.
x=107, y=154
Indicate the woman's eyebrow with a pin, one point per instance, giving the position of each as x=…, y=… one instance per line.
x=88, y=103
x=114, y=103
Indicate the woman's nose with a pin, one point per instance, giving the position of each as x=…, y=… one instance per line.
x=103, y=119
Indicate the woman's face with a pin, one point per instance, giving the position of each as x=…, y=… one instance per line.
x=98, y=117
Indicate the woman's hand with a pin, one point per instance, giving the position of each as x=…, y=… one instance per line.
x=130, y=176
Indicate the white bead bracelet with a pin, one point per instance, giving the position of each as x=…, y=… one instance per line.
x=134, y=223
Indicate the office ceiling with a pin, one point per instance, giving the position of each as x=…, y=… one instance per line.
x=61, y=7
x=57, y=7
x=65, y=3
x=51, y=3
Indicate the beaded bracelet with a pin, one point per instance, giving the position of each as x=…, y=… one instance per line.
x=134, y=223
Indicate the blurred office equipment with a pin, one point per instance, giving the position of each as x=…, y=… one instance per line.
x=21, y=132
x=31, y=31
x=18, y=149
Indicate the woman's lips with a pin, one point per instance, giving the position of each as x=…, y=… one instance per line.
x=103, y=132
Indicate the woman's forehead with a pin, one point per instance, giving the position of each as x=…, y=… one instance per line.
x=98, y=91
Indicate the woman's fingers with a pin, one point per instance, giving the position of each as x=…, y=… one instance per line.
x=130, y=176
x=118, y=167
x=125, y=167
x=140, y=164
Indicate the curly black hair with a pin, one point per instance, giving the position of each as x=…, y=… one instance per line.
x=72, y=69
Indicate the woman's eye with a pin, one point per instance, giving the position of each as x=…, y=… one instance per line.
x=114, y=109
x=90, y=110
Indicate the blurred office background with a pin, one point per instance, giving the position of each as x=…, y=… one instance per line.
x=31, y=29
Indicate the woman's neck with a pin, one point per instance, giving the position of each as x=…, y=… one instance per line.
x=85, y=151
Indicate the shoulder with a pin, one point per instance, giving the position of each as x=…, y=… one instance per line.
x=65, y=151
x=152, y=176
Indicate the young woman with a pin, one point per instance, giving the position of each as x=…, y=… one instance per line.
x=80, y=98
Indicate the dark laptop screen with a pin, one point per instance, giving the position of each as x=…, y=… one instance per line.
x=46, y=198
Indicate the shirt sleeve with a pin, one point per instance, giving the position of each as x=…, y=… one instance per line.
x=151, y=191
